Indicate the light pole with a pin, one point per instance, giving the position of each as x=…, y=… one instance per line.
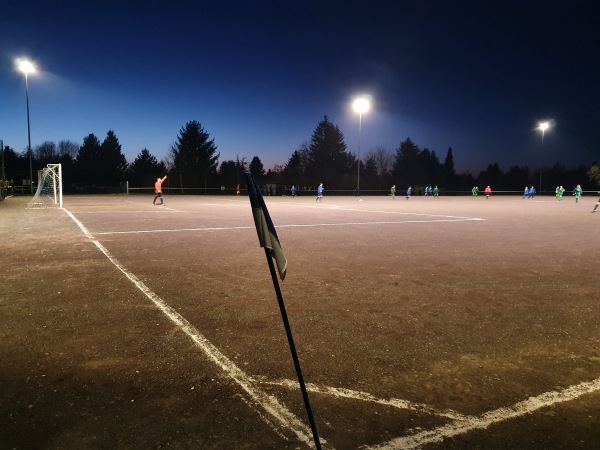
x=26, y=67
x=542, y=126
x=360, y=105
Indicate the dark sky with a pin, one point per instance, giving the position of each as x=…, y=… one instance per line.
x=476, y=76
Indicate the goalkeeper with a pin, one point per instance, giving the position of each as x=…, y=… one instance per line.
x=158, y=190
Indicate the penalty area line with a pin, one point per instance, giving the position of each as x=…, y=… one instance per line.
x=175, y=230
x=300, y=225
x=382, y=222
x=403, y=213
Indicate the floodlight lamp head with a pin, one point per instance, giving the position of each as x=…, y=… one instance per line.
x=26, y=67
x=361, y=105
x=543, y=126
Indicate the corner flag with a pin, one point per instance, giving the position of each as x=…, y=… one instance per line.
x=268, y=239
x=267, y=235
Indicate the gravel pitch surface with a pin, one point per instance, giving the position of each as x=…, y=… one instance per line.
x=450, y=323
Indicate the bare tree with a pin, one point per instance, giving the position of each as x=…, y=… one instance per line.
x=384, y=159
x=241, y=167
x=169, y=162
x=594, y=173
x=68, y=148
x=45, y=152
x=172, y=157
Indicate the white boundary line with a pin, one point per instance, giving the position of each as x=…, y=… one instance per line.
x=484, y=420
x=457, y=219
x=366, y=397
x=268, y=402
x=460, y=424
x=104, y=233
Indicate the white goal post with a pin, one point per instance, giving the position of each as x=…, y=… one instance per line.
x=49, y=192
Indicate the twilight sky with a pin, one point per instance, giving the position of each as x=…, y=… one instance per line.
x=258, y=75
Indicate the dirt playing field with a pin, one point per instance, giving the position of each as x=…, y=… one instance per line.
x=450, y=323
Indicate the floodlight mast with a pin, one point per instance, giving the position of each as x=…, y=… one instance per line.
x=361, y=105
x=27, y=67
x=542, y=126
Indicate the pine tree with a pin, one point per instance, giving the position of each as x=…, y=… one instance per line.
x=111, y=163
x=15, y=167
x=492, y=176
x=428, y=168
x=86, y=160
x=405, y=165
x=449, y=174
x=368, y=173
x=295, y=169
x=145, y=169
x=195, y=161
x=257, y=169
x=328, y=160
x=228, y=174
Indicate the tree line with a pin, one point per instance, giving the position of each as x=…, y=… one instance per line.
x=192, y=163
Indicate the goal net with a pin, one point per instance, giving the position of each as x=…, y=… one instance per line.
x=49, y=190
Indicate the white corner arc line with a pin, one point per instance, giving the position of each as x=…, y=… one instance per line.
x=268, y=402
x=484, y=420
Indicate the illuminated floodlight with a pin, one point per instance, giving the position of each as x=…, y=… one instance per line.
x=361, y=105
x=543, y=126
x=26, y=66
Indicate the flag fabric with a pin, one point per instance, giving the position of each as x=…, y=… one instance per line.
x=265, y=229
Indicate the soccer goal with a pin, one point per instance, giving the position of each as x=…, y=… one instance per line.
x=49, y=192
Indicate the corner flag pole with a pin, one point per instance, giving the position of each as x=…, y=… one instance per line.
x=288, y=332
x=269, y=240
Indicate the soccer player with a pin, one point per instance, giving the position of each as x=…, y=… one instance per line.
x=577, y=193
x=526, y=192
x=597, y=203
x=408, y=192
x=393, y=191
x=319, y=193
x=158, y=190
x=436, y=192
x=488, y=191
